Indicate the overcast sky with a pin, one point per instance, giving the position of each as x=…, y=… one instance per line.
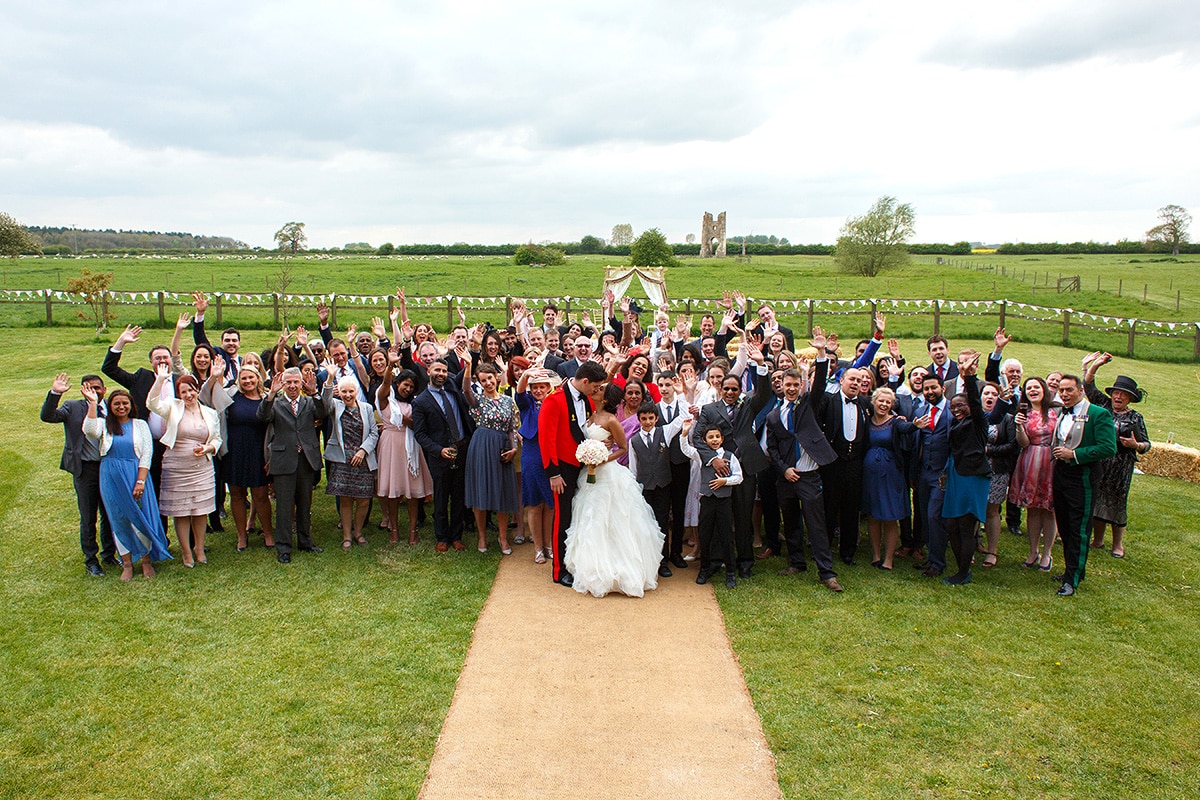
x=505, y=122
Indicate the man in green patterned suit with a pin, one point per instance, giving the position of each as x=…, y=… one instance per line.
x=1084, y=437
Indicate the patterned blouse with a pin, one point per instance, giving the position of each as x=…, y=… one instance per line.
x=499, y=414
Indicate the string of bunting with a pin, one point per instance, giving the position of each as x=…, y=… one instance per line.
x=1025, y=311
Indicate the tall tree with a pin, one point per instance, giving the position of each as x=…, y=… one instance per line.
x=651, y=250
x=622, y=234
x=15, y=238
x=291, y=237
x=875, y=241
x=1173, y=230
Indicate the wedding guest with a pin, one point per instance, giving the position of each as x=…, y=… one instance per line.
x=716, y=504
x=844, y=420
x=491, y=483
x=443, y=427
x=1112, y=489
x=533, y=387
x=1031, y=485
x=633, y=394
x=350, y=453
x=231, y=339
x=672, y=407
x=968, y=474
x=294, y=458
x=884, y=488
x=192, y=436
x=81, y=458
x=126, y=449
x=650, y=463
x=1002, y=452
x=138, y=383
x=402, y=469
x=243, y=456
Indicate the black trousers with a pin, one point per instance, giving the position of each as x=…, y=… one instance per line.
x=293, y=494
x=562, y=515
x=87, y=495
x=912, y=527
x=843, y=498
x=806, y=495
x=1073, y=501
x=449, y=504
x=716, y=532
x=681, y=475
x=743, y=519
x=768, y=499
x=659, y=501
x=1012, y=515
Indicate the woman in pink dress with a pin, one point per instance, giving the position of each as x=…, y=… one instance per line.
x=402, y=471
x=1032, y=481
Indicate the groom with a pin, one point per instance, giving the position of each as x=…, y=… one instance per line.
x=560, y=432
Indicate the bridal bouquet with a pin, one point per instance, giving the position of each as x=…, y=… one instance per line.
x=593, y=453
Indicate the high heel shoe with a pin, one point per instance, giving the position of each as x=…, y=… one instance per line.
x=1048, y=566
x=412, y=537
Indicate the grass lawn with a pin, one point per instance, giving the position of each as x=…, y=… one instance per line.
x=326, y=678
x=331, y=677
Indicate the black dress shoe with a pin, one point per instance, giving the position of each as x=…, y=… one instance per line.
x=849, y=561
x=702, y=578
x=312, y=549
x=794, y=569
x=1060, y=578
x=664, y=571
x=110, y=561
x=95, y=571
x=932, y=572
x=284, y=558
x=566, y=579
x=743, y=571
x=678, y=562
x=730, y=581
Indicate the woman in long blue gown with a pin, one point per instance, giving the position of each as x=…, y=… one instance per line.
x=884, y=492
x=126, y=449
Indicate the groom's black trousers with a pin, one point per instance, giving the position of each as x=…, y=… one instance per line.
x=562, y=514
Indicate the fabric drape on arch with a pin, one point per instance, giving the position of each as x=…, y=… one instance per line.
x=653, y=280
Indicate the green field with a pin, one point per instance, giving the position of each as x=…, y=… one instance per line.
x=782, y=278
x=331, y=678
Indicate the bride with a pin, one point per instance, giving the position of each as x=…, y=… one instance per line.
x=613, y=544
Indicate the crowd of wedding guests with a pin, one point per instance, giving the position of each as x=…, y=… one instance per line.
x=416, y=428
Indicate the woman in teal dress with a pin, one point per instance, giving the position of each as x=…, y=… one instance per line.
x=968, y=473
x=126, y=449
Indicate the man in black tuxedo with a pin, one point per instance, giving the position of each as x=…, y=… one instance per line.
x=798, y=448
x=734, y=415
x=843, y=418
x=294, y=453
x=81, y=458
x=443, y=428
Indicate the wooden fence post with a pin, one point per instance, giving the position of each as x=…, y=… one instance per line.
x=333, y=311
x=874, y=310
x=810, y=316
x=1196, y=347
x=937, y=316
x=391, y=307
x=220, y=321
x=1003, y=311
x=1129, y=346
x=162, y=311
x=1066, y=328
x=450, y=313
x=50, y=311
x=104, y=309
x=275, y=303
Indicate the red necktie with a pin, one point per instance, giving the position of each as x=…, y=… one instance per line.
x=933, y=412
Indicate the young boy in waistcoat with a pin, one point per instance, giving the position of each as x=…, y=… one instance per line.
x=716, y=506
x=650, y=463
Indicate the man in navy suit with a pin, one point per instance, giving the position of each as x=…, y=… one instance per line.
x=941, y=365
x=443, y=427
x=933, y=449
x=81, y=458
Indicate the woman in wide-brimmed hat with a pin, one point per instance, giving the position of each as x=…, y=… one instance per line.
x=533, y=387
x=1112, y=490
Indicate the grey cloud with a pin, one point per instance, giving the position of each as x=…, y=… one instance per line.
x=1115, y=30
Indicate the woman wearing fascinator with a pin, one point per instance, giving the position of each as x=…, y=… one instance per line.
x=1112, y=490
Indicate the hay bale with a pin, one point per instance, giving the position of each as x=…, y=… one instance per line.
x=1171, y=461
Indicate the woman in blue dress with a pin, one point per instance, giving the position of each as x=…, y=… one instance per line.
x=968, y=474
x=126, y=449
x=532, y=389
x=885, y=491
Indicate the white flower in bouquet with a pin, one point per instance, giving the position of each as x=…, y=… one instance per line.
x=592, y=453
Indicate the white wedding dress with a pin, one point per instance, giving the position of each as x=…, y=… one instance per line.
x=613, y=544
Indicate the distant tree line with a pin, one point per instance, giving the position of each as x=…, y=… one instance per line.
x=68, y=241
x=1122, y=247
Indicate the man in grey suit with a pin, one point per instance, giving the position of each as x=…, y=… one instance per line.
x=81, y=458
x=294, y=452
